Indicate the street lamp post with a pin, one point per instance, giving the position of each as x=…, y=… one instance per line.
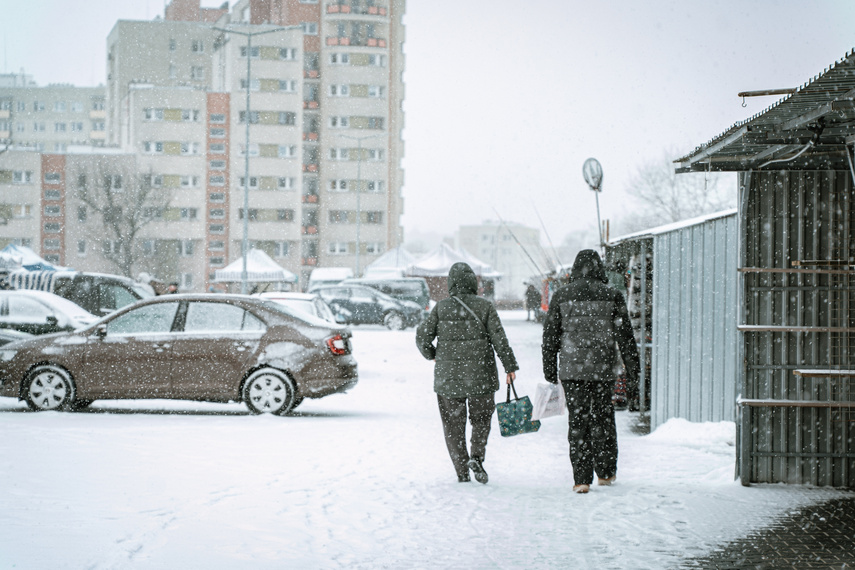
x=244, y=286
x=358, y=189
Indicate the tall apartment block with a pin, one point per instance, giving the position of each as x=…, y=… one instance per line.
x=324, y=125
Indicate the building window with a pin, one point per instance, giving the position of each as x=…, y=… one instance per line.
x=338, y=216
x=184, y=247
x=218, y=118
x=197, y=72
x=373, y=217
x=172, y=45
x=377, y=60
x=197, y=46
x=217, y=214
x=82, y=213
x=339, y=122
x=22, y=177
x=217, y=261
x=253, y=182
x=287, y=53
x=339, y=58
x=189, y=181
x=286, y=183
x=59, y=106
x=217, y=228
x=76, y=127
x=113, y=182
x=218, y=180
x=155, y=147
x=310, y=28
x=288, y=85
x=373, y=247
x=38, y=106
x=52, y=228
x=253, y=150
x=99, y=126
x=53, y=178
x=374, y=186
x=339, y=90
x=187, y=281
x=253, y=118
x=153, y=114
x=217, y=165
x=52, y=195
x=38, y=127
x=338, y=185
x=217, y=197
x=189, y=148
x=81, y=247
x=190, y=115
x=254, y=84
x=287, y=118
x=149, y=247
x=375, y=123
x=111, y=247
x=337, y=248
x=217, y=148
x=188, y=214
x=59, y=127
x=376, y=91
x=287, y=151
x=217, y=246
x=256, y=51
x=339, y=154
x=253, y=214
x=173, y=71
x=97, y=104
x=53, y=211
x=285, y=215
x=76, y=107
x=375, y=154
x=51, y=244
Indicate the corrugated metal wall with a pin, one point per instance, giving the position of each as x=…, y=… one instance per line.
x=694, y=366
x=798, y=417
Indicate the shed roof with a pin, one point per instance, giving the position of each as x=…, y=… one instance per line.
x=814, y=124
x=674, y=226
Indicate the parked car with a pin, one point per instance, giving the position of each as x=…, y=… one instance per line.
x=309, y=303
x=9, y=335
x=216, y=348
x=323, y=276
x=413, y=289
x=39, y=312
x=98, y=293
x=356, y=304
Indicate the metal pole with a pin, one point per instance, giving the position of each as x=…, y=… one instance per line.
x=642, y=384
x=244, y=276
x=599, y=223
x=358, y=203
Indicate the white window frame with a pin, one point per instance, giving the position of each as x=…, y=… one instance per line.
x=287, y=150
x=286, y=182
x=339, y=122
x=339, y=90
x=337, y=248
x=310, y=28
x=338, y=185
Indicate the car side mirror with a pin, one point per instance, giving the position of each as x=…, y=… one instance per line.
x=52, y=320
x=339, y=318
x=101, y=331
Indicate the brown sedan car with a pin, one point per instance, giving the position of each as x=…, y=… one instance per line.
x=215, y=348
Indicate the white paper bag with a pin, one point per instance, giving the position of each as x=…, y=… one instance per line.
x=548, y=400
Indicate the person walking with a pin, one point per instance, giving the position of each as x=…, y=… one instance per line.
x=467, y=330
x=585, y=319
x=532, y=302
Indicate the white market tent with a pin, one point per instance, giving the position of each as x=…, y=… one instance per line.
x=20, y=257
x=392, y=263
x=439, y=261
x=260, y=268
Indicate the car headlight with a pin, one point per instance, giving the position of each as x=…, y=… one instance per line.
x=7, y=355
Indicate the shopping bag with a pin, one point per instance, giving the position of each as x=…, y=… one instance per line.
x=548, y=400
x=515, y=416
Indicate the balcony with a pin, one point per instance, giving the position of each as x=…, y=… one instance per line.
x=350, y=41
x=310, y=168
x=311, y=105
x=311, y=73
x=311, y=137
x=309, y=261
x=310, y=230
x=310, y=198
x=363, y=10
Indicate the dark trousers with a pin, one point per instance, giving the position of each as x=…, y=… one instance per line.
x=592, y=434
x=452, y=411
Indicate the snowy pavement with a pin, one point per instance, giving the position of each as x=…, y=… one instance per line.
x=360, y=480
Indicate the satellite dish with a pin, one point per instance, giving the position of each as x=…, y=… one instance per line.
x=593, y=173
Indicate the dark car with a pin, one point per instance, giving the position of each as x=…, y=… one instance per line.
x=39, y=312
x=413, y=289
x=356, y=304
x=215, y=348
x=98, y=293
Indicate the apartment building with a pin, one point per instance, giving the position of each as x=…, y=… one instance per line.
x=51, y=118
x=325, y=124
x=497, y=244
x=20, y=176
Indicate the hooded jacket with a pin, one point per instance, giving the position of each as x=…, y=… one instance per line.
x=465, y=363
x=585, y=319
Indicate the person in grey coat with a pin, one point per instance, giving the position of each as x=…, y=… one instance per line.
x=467, y=331
x=586, y=318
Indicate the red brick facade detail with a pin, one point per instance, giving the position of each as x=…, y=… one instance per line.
x=217, y=107
x=52, y=227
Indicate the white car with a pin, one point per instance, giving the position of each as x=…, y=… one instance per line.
x=40, y=312
x=307, y=303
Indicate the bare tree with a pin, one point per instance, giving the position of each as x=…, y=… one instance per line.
x=126, y=202
x=664, y=196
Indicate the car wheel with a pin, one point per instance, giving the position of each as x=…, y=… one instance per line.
x=269, y=391
x=394, y=321
x=48, y=388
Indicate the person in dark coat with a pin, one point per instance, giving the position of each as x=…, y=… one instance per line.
x=532, y=302
x=586, y=318
x=465, y=373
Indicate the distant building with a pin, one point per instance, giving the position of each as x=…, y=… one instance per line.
x=494, y=244
x=325, y=123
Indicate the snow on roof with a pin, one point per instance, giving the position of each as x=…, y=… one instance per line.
x=397, y=258
x=674, y=226
x=440, y=260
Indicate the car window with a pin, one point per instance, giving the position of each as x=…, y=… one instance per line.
x=25, y=310
x=120, y=296
x=156, y=318
x=203, y=316
x=362, y=296
x=334, y=293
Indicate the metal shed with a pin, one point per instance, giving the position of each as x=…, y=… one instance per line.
x=796, y=262
x=691, y=348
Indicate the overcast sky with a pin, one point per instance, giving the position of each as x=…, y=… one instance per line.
x=505, y=100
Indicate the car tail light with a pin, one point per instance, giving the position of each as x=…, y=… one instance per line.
x=337, y=345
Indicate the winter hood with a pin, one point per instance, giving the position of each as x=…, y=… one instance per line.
x=588, y=265
x=462, y=280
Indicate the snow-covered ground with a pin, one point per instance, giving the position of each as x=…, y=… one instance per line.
x=360, y=480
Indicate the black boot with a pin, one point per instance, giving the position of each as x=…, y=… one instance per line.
x=478, y=470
